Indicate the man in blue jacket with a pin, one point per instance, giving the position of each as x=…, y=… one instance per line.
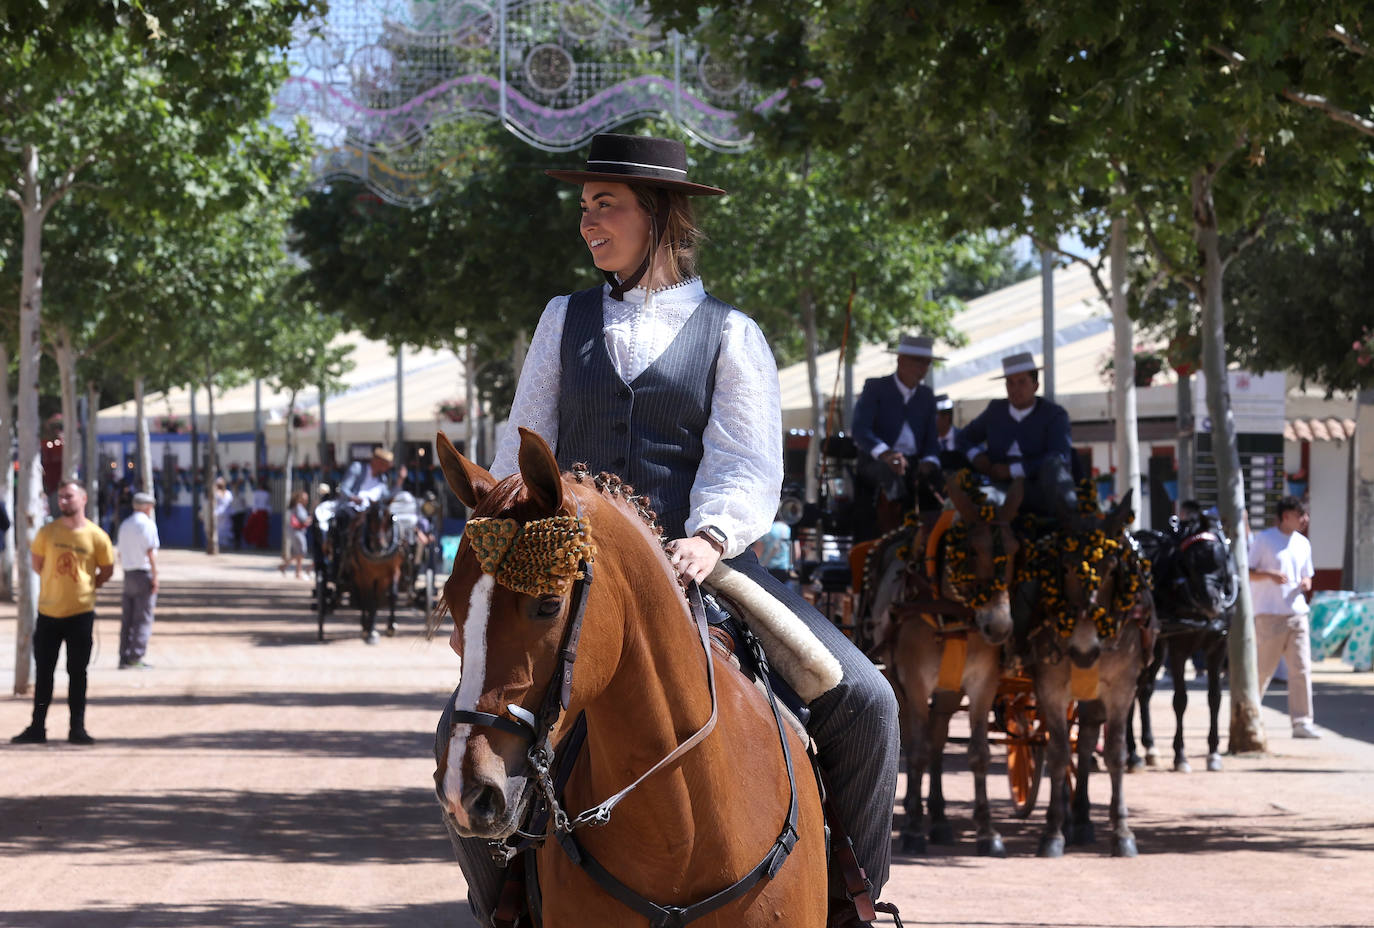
x=894, y=428
x=1024, y=436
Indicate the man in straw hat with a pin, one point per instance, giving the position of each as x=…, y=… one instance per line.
x=894, y=427
x=362, y=485
x=1024, y=436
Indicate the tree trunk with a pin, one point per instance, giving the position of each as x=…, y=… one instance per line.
x=145, y=443
x=28, y=515
x=1187, y=439
x=211, y=466
x=6, y=475
x=1127, y=436
x=93, y=452
x=1247, y=731
x=1362, y=495
x=290, y=483
x=469, y=399
x=806, y=304
x=324, y=438
x=66, y=377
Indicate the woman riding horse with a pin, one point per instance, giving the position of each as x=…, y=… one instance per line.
x=650, y=378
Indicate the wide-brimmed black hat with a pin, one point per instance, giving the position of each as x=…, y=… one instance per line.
x=638, y=159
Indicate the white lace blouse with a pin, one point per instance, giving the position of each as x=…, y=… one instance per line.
x=740, y=477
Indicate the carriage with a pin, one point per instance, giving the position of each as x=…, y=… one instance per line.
x=381, y=554
x=940, y=618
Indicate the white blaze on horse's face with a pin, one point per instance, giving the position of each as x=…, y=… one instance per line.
x=471, y=685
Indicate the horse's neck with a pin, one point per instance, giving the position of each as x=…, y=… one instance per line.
x=656, y=699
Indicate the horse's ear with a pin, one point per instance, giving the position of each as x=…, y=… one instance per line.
x=539, y=470
x=468, y=482
x=962, y=504
x=1121, y=515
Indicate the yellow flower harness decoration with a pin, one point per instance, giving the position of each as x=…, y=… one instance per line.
x=539, y=558
x=1094, y=548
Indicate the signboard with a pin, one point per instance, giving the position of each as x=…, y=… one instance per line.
x=1257, y=402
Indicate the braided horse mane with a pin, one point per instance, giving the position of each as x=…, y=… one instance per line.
x=508, y=494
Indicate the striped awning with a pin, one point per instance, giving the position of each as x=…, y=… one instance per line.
x=1332, y=429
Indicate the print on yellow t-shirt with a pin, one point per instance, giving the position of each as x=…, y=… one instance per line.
x=70, y=559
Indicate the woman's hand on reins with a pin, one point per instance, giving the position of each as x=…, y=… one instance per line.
x=693, y=558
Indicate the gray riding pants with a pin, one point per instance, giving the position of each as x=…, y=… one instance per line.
x=855, y=728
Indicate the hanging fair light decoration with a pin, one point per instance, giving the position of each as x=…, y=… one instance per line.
x=380, y=80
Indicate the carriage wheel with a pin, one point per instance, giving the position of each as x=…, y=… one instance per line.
x=1025, y=755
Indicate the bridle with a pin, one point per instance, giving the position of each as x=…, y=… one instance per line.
x=543, y=763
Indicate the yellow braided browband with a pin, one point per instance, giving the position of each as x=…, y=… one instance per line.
x=539, y=558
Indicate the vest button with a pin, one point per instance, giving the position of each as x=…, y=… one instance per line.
x=620, y=428
x=623, y=393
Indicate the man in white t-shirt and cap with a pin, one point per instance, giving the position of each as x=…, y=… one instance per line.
x=894, y=428
x=137, y=546
x=1281, y=573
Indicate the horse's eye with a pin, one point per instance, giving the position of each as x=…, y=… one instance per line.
x=549, y=607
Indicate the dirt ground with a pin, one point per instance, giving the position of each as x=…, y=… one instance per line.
x=255, y=777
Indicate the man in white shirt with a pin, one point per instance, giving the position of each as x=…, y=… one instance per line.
x=138, y=544
x=1280, y=573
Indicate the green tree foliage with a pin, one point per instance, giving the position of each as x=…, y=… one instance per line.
x=1208, y=123
x=1315, y=285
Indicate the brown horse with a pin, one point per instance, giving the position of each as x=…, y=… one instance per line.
x=947, y=641
x=1092, y=625
x=690, y=828
x=375, y=554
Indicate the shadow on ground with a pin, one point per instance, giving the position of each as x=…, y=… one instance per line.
x=248, y=915
x=323, y=743
x=1340, y=707
x=344, y=827
x=362, y=699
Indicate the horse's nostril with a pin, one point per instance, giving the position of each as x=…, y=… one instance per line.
x=484, y=802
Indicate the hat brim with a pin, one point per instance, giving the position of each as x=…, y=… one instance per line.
x=1027, y=370
x=909, y=354
x=682, y=186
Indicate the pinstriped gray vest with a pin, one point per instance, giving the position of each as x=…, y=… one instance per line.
x=648, y=431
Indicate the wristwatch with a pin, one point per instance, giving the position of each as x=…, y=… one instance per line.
x=714, y=535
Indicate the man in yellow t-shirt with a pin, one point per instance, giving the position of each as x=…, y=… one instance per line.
x=73, y=557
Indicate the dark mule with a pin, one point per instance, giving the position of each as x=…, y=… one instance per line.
x=673, y=730
x=1088, y=642
x=376, y=554
x=946, y=639
x=1195, y=586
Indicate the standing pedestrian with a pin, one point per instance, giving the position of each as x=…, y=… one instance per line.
x=1280, y=573
x=138, y=544
x=73, y=558
x=299, y=518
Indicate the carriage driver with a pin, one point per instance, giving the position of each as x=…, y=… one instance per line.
x=1024, y=436
x=362, y=485
x=651, y=378
x=894, y=427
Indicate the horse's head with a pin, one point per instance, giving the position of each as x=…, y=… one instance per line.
x=1203, y=577
x=1092, y=587
x=980, y=557
x=378, y=533
x=521, y=564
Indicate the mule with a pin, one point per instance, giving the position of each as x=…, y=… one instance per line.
x=1089, y=639
x=951, y=643
x=375, y=555
x=649, y=689
x=1195, y=586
